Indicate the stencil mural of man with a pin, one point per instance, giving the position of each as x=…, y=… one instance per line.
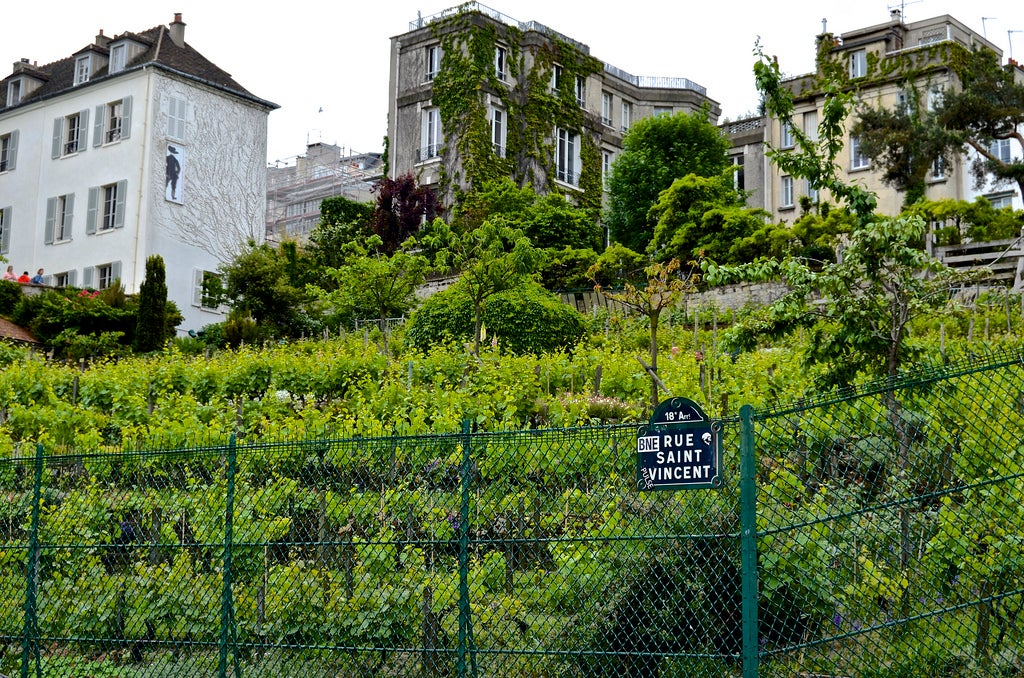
x=172, y=175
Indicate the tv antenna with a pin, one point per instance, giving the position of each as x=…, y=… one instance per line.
x=984, y=33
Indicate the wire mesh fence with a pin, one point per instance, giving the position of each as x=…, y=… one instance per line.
x=880, y=534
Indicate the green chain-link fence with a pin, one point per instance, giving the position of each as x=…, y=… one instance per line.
x=877, y=533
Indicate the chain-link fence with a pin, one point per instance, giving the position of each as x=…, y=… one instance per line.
x=879, y=533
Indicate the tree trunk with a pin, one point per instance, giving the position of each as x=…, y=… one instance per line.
x=653, y=317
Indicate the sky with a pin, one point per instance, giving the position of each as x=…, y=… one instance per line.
x=326, y=64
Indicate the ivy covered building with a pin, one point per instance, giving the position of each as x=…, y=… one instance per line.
x=477, y=95
x=884, y=65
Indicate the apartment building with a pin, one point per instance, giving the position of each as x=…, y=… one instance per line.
x=132, y=146
x=476, y=94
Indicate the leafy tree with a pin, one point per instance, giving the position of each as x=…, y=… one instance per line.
x=342, y=221
x=402, y=205
x=988, y=106
x=655, y=152
x=618, y=265
x=151, y=326
x=977, y=220
x=662, y=290
x=701, y=216
x=257, y=285
x=492, y=258
x=567, y=268
x=812, y=237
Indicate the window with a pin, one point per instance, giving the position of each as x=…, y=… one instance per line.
x=1000, y=200
x=786, y=192
x=176, y=113
x=581, y=91
x=902, y=100
x=64, y=279
x=69, y=135
x=935, y=95
x=811, y=125
x=433, y=61
x=859, y=63
x=627, y=115
x=14, y=92
x=113, y=122
x=556, y=76
x=567, y=156
x=205, y=285
x=107, y=275
x=787, y=135
x=606, y=166
x=498, y=125
x=939, y=168
x=106, y=207
x=662, y=110
x=738, y=179
x=857, y=158
x=118, y=57
x=5, y=230
x=500, y=63
x=430, y=144
x=606, y=108
x=8, y=151
x=59, y=216
x=83, y=69
x=811, y=191
x=1000, y=148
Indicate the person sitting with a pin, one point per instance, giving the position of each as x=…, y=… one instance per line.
x=23, y=278
x=37, y=279
x=10, y=274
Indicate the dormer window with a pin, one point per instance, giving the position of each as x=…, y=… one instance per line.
x=118, y=57
x=83, y=69
x=14, y=92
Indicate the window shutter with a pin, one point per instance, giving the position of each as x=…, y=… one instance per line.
x=97, y=127
x=197, y=287
x=83, y=129
x=87, y=276
x=58, y=127
x=90, y=215
x=115, y=271
x=69, y=211
x=71, y=277
x=51, y=217
x=126, y=117
x=122, y=190
x=5, y=230
x=12, y=150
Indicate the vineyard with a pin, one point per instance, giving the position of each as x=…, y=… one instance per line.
x=327, y=508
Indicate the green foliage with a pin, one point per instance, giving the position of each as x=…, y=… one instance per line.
x=655, y=152
x=151, y=325
x=10, y=295
x=56, y=316
x=257, y=284
x=812, y=237
x=524, y=319
x=567, y=269
x=978, y=221
x=618, y=265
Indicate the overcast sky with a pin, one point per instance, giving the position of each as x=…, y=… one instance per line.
x=309, y=56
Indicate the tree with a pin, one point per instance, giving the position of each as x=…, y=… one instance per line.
x=988, y=107
x=257, y=285
x=655, y=152
x=342, y=221
x=492, y=258
x=662, y=290
x=402, y=205
x=151, y=326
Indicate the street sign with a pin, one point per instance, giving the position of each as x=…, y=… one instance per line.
x=680, y=449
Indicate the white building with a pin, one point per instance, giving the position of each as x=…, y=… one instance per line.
x=135, y=145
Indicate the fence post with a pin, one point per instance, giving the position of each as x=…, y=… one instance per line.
x=30, y=643
x=748, y=541
x=227, y=611
x=465, y=611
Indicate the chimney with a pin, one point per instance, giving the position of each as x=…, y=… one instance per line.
x=895, y=15
x=178, y=30
x=101, y=39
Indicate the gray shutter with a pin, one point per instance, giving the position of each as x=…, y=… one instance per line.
x=87, y=276
x=51, y=217
x=97, y=127
x=69, y=214
x=122, y=191
x=5, y=233
x=90, y=215
x=83, y=129
x=58, y=127
x=197, y=287
x=12, y=150
x=126, y=117
x=115, y=272
x=71, y=277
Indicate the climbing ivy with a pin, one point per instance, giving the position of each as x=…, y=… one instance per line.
x=460, y=88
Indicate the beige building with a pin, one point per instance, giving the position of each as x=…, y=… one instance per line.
x=876, y=63
x=477, y=95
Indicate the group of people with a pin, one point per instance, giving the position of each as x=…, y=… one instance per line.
x=37, y=279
